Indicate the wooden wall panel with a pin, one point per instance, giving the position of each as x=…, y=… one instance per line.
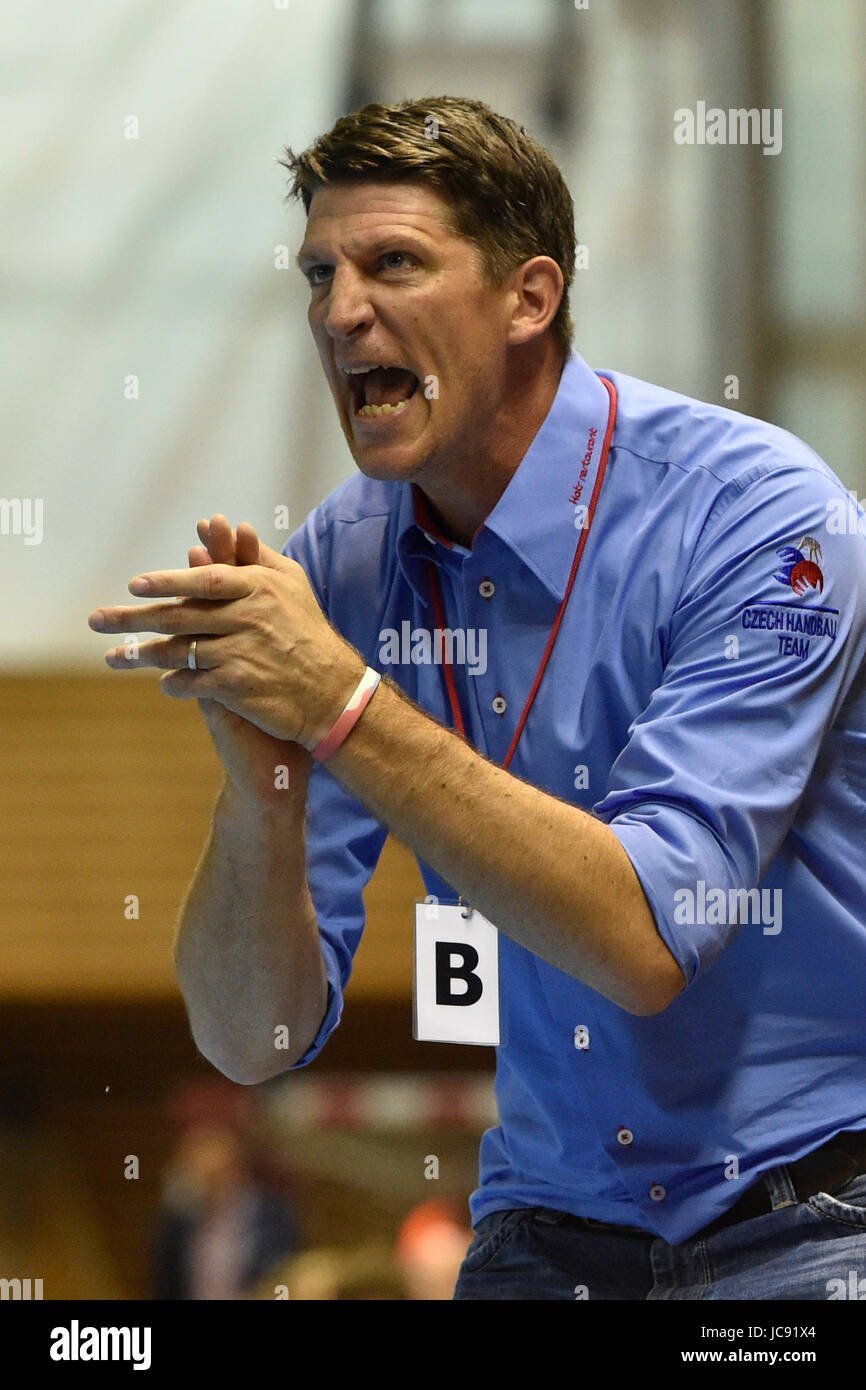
x=106, y=791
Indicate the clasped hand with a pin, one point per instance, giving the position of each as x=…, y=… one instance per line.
x=264, y=649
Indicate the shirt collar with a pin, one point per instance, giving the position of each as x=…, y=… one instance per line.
x=534, y=517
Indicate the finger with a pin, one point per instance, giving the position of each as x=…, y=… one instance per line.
x=219, y=552
x=274, y=560
x=198, y=555
x=213, y=581
x=221, y=540
x=244, y=548
x=187, y=685
x=169, y=655
x=246, y=544
x=211, y=618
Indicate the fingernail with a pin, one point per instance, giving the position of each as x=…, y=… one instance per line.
x=139, y=586
x=97, y=621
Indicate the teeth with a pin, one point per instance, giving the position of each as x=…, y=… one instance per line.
x=385, y=409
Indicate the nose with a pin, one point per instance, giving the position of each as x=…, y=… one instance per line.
x=347, y=305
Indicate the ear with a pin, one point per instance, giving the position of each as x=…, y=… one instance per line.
x=538, y=286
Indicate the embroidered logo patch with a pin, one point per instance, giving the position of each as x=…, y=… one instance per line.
x=792, y=624
x=800, y=569
x=795, y=625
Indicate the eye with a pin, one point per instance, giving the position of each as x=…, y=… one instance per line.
x=313, y=274
x=388, y=259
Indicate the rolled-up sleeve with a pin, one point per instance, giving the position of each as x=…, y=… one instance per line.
x=764, y=644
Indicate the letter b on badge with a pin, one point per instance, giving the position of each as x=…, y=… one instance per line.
x=448, y=972
x=456, y=978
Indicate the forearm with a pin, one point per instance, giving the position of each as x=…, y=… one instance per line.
x=247, y=950
x=546, y=873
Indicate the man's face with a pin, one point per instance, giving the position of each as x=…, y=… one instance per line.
x=392, y=285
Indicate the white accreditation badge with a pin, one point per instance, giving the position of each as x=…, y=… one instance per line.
x=456, y=976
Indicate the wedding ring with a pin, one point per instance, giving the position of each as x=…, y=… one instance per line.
x=190, y=656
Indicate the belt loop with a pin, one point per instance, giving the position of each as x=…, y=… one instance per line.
x=780, y=1188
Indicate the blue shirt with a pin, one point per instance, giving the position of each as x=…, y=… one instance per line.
x=706, y=699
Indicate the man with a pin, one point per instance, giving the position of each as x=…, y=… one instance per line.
x=660, y=797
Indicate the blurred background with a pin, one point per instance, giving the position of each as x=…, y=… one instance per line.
x=157, y=367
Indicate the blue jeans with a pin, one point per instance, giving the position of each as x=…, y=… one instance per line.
x=799, y=1250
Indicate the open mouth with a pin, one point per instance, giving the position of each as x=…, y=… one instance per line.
x=382, y=391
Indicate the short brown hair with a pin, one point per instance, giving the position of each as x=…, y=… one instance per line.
x=505, y=191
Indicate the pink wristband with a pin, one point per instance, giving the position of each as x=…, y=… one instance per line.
x=346, y=722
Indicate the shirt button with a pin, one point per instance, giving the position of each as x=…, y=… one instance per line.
x=581, y=1037
x=499, y=704
x=657, y=1192
x=487, y=588
x=624, y=1135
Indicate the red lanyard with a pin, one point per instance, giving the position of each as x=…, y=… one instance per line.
x=438, y=607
